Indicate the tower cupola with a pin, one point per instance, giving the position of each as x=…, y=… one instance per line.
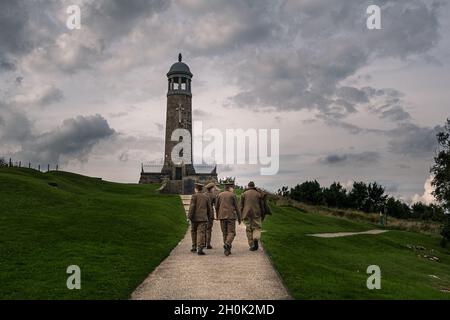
x=179, y=78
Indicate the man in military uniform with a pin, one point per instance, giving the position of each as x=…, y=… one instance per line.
x=228, y=212
x=252, y=212
x=199, y=212
x=211, y=193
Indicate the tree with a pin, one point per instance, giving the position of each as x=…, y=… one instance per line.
x=441, y=167
x=3, y=163
x=358, y=195
x=446, y=231
x=284, y=191
x=309, y=192
x=335, y=195
x=421, y=211
x=397, y=209
x=376, y=198
x=441, y=180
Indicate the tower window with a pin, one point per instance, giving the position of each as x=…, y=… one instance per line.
x=183, y=86
x=175, y=86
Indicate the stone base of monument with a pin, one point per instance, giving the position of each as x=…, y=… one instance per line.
x=185, y=185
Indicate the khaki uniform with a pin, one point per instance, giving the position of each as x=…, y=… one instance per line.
x=228, y=212
x=251, y=208
x=199, y=213
x=212, y=200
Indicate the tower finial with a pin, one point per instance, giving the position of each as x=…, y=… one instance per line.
x=179, y=57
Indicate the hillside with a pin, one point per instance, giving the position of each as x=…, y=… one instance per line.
x=116, y=233
x=335, y=268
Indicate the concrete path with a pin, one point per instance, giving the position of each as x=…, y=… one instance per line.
x=345, y=234
x=242, y=275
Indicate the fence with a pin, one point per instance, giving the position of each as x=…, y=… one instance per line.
x=29, y=165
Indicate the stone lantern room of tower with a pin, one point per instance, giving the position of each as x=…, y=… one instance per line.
x=179, y=78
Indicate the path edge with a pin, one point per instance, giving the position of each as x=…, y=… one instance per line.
x=272, y=264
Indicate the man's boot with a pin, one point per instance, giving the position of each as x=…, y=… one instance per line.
x=194, y=249
x=251, y=246
x=255, y=245
x=227, y=249
x=200, y=252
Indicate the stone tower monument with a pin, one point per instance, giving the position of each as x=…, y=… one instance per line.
x=178, y=178
x=178, y=116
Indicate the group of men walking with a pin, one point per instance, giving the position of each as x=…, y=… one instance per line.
x=251, y=210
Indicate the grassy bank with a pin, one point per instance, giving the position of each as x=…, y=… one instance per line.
x=335, y=268
x=116, y=233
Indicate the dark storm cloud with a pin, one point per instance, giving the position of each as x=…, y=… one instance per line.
x=115, y=18
x=412, y=140
x=19, y=34
x=15, y=127
x=386, y=104
x=74, y=139
x=28, y=25
x=350, y=127
x=14, y=32
x=219, y=27
x=352, y=94
x=395, y=113
x=7, y=66
x=406, y=139
x=352, y=159
x=331, y=44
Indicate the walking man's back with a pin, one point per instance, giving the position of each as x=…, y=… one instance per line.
x=251, y=208
x=227, y=211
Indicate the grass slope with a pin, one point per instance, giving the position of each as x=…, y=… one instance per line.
x=116, y=233
x=335, y=268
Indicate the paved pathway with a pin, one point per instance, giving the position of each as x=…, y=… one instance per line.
x=242, y=275
x=345, y=234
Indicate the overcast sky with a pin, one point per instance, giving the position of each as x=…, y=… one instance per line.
x=350, y=103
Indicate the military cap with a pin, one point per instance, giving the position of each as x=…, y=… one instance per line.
x=210, y=185
x=199, y=186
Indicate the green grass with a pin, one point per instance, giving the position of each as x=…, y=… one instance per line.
x=116, y=233
x=335, y=268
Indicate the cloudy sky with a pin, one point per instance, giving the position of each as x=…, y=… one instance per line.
x=350, y=103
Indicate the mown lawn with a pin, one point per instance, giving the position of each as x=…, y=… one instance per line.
x=335, y=268
x=116, y=233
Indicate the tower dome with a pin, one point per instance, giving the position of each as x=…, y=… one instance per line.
x=179, y=68
x=179, y=78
